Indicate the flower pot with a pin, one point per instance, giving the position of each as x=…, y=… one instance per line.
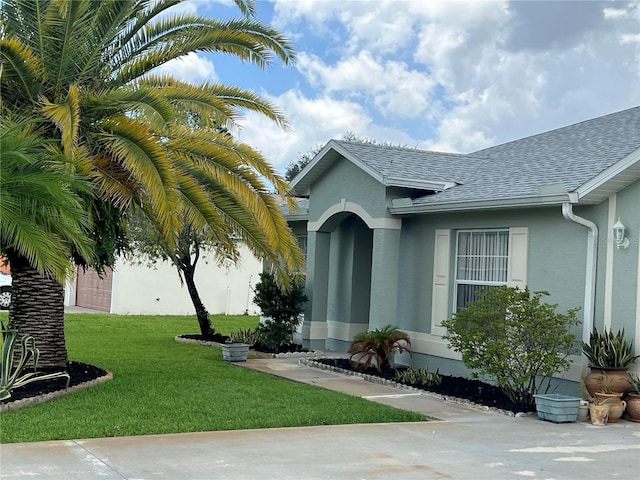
x=235, y=352
x=616, y=409
x=633, y=406
x=615, y=378
x=583, y=412
x=557, y=408
x=599, y=414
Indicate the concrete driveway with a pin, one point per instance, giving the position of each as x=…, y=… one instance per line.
x=466, y=443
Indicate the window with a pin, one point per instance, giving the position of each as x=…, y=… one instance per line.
x=481, y=261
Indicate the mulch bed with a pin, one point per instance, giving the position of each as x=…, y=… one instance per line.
x=473, y=390
x=79, y=373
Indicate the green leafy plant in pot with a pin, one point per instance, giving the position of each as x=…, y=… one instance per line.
x=633, y=398
x=609, y=355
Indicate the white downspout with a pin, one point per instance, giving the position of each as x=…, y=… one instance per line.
x=592, y=257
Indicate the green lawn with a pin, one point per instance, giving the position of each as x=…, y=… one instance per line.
x=162, y=386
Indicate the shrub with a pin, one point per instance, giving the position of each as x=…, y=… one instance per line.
x=608, y=349
x=282, y=309
x=248, y=336
x=418, y=376
x=378, y=346
x=510, y=335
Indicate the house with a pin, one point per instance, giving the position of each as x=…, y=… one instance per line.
x=405, y=237
x=134, y=288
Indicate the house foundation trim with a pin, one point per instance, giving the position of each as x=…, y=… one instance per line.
x=345, y=331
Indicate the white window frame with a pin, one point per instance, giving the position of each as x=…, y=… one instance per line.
x=488, y=283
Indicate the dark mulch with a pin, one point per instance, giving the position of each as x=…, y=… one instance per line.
x=219, y=338
x=79, y=373
x=459, y=387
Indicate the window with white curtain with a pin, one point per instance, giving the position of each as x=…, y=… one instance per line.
x=481, y=262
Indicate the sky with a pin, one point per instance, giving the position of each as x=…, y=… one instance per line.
x=451, y=76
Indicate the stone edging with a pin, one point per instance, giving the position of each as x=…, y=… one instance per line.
x=26, y=402
x=310, y=362
x=314, y=353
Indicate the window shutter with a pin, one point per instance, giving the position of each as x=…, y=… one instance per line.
x=440, y=296
x=518, y=254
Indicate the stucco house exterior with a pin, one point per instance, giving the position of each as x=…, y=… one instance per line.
x=404, y=237
x=135, y=288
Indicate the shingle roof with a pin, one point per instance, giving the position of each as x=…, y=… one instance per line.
x=569, y=156
x=565, y=158
x=409, y=164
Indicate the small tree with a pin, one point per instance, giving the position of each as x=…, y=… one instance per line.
x=283, y=309
x=510, y=335
x=149, y=247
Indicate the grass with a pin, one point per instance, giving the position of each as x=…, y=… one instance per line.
x=163, y=386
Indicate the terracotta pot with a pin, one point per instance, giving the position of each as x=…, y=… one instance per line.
x=599, y=414
x=616, y=378
x=633, y=406
x=616, y=409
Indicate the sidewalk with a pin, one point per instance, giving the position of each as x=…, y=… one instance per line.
x=466, y=443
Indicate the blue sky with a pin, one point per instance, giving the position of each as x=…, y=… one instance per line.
x=453, y=76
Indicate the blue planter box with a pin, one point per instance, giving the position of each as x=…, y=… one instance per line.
x=235, y=352
x=557, y=408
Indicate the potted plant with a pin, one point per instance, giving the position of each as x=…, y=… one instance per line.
x=633, y=398
x=235, y=352
x=609, y=355
x=599, y=411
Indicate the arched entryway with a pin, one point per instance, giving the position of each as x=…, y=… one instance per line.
x=352, y=269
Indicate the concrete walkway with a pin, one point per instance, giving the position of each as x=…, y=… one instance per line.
x=466, y=443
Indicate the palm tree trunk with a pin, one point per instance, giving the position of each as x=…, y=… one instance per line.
x=37, y=309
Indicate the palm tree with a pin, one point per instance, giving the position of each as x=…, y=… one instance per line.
x=42, y=219
x=87, y=69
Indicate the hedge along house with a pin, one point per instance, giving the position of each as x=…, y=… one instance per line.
x=405, y=237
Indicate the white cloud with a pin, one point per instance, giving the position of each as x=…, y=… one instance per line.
x=457, y=75
x=393, y=88
x=191, y=68
x=314, y=121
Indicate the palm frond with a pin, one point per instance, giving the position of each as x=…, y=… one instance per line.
x=21, y=71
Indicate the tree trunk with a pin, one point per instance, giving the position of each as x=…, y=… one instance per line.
x=37, y=309
x=206, y=330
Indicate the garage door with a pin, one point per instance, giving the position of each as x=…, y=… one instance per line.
x=92, y=291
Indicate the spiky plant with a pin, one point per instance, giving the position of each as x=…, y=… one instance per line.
x=378, y=346
x=607, y=349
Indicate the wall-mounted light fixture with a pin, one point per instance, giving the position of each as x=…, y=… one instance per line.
x=618, y=235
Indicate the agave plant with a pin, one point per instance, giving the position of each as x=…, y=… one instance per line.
x=608, y=349
x=378, y=346
x=634, y=380
x=13, y=377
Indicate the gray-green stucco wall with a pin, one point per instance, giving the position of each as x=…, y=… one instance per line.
x=556, y=257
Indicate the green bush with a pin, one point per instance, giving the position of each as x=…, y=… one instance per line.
x=282, y=309
x=513, y=337
x=378, y=346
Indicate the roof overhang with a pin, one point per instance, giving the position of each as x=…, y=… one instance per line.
x=401, y=206
x=434, y=185
x=332, y=151
x=611, y=180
